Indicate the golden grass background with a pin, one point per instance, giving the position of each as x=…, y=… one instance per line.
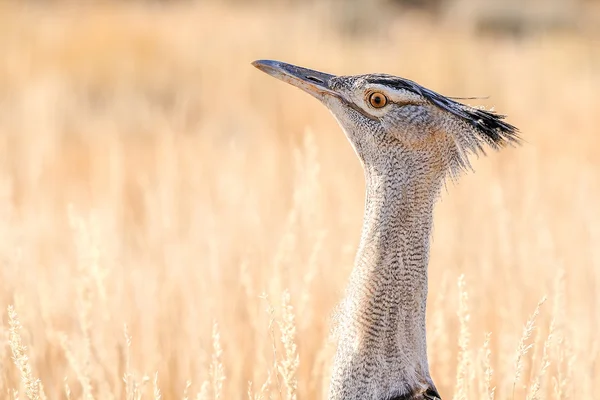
x=154, y=184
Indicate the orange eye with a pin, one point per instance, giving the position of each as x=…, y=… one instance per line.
x=378, y=100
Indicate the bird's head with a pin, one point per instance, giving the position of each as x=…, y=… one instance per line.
x=384, y=115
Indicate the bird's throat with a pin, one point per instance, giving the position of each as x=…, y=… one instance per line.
x=382, y=344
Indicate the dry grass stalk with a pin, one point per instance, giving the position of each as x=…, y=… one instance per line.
x=265, y=389
x=19, y=352
x=523, y=348
x=289, y=364
x=76, y=366
x=305, y=306
x=155, y=388
x=271, y=314
x=84, y=309
x=128, y=378
x=3, y=358
x=534, y=390
x=88, y=251
x=140, y=387
x=307, y=172
x=463, y=369
x=186, y=390
x=42, y=391
x=217, y=371
x=67, y=389
x=564, y=375
x=488, y=390
x=205, y=391
x=250, y=391
x=563, y=354
x=321, y=370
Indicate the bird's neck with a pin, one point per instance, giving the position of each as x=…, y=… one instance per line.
x=382, y=345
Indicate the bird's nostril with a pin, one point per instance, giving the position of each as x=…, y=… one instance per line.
x=314, y=79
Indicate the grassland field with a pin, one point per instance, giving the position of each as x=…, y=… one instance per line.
x=174, y=224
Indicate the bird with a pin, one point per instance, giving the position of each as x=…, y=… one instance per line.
x=410, y=140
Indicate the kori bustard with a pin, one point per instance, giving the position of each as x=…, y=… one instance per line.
x=409, y=139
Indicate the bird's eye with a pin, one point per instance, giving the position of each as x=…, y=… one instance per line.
x=377, y=100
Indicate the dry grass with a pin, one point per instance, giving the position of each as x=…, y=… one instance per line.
x=151, y=178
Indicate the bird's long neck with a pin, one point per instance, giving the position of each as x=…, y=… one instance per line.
x=382, y=348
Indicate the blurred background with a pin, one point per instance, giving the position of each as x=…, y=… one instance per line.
x=176, y=224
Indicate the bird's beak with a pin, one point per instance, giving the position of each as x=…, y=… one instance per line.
x=313, y=82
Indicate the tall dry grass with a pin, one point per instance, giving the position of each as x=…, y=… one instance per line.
x=176, y=224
